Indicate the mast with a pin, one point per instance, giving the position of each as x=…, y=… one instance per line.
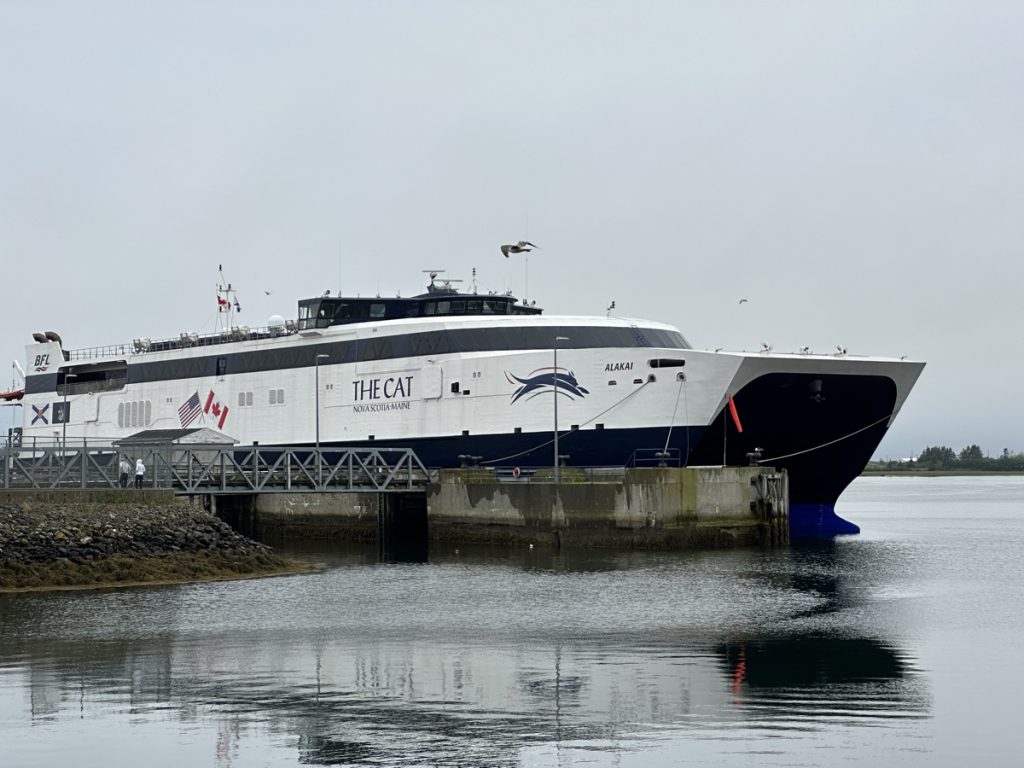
x=227, y=303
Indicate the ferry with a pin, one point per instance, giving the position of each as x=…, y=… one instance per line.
x=483, y=378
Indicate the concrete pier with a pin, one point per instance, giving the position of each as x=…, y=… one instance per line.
x=663, y=508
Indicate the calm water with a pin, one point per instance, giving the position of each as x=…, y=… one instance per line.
x=899, y=647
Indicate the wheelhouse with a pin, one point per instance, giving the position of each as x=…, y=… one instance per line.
x=325, y=311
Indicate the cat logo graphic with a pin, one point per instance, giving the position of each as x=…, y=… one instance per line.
x=544, y=380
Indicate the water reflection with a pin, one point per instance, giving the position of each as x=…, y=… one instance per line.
x=466, y=659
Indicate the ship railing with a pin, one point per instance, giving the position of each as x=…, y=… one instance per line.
x=142, y=346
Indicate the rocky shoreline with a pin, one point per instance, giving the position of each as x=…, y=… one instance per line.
x=61, y=545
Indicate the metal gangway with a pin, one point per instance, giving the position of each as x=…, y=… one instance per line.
x=198, y=469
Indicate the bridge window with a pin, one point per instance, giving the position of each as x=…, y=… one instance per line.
x=277, y=397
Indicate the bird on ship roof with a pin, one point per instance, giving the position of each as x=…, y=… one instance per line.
x=523, y=246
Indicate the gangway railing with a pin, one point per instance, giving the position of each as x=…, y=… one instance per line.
x=655, y=457
x=189, y=470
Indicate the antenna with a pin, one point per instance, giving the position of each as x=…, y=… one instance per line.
x=433, y=274
x=227, y=302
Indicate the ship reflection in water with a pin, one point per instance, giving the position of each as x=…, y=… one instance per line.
x=479, y=657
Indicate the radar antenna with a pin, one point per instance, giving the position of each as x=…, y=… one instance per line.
x=433, y=274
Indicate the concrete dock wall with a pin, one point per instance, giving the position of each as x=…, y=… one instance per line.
x=343, y=516
x=664, y=508
x=652, y=508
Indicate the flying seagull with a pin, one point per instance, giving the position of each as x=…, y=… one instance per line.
x=522, y=246
x=743, y=301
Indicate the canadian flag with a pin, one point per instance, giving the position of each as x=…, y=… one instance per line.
x=223, y=305
x=216, y=408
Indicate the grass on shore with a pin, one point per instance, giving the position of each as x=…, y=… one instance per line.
x=937, y=473
x=124, y=570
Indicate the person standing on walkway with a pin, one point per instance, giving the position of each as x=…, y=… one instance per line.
x=140, y=472
x=126, y=470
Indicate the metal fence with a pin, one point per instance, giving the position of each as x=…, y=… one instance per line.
x=216, y=469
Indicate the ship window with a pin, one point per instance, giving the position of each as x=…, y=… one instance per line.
x=612, y=382
x=458, y=307
x=277, y=397
x=473, y=307
x=519, y=430
x=376, y=310
x=444, y=307
x=222, y=366
x=465, y=391
x=465, y=433
x=120, y=414
x=135, y=413
x=429, y=308
x=149, y=413
x=491, y=307
x=599, y=426
x=574, y=428
x=666, y=363
x=455, y=387
x=638, y=381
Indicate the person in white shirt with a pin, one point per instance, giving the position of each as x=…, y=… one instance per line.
x=140, y=472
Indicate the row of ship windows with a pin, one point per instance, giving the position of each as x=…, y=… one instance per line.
x=274, y=397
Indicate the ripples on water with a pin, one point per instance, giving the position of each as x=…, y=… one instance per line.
x=869, y=649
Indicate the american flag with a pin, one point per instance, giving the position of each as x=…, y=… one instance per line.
x=190, y=410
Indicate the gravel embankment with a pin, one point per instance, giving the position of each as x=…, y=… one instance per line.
x=96, y=544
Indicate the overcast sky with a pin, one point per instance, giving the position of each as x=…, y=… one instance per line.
x=853, y=169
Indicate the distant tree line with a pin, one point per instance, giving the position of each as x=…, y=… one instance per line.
x=941, y=457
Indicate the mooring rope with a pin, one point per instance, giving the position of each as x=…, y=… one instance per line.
x=570, y=431
x=673, y=420
x=825, y=445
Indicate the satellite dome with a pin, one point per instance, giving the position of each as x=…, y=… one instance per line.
x=276, y=322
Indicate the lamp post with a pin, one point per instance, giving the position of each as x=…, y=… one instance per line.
x=555, y=390
x=319, y=463
x=64, y=415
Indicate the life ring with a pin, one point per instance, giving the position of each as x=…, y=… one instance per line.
x=516, y=472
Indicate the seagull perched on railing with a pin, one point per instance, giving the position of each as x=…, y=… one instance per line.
x=523, y=246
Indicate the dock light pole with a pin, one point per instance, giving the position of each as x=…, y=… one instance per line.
x=64, y=416
x=319, y=462
x=555, y=390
